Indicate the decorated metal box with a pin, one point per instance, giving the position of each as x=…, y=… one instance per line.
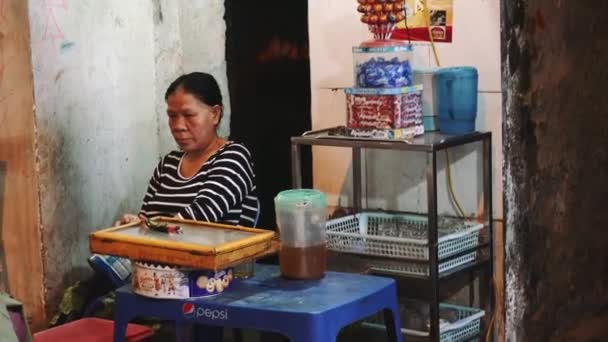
x=163, y=281
x=385, y=109
x=200, y=245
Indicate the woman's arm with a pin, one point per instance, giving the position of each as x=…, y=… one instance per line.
x=126, y=218
x=228, y=181
x=153, y=186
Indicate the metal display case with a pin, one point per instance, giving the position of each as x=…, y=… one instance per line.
x=435, y=258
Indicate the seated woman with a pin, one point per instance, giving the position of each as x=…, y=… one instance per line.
x=209, y=178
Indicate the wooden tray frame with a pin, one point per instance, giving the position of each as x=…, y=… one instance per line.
x=184, y=254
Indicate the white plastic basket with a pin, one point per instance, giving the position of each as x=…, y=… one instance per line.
x=466, y=327
x=399, y=236
x=388, y=266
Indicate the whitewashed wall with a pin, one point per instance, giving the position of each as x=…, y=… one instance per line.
x=100, y=71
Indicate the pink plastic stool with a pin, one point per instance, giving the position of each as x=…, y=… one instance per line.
x=91, y=330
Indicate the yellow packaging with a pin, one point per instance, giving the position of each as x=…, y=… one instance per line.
x=439, y=20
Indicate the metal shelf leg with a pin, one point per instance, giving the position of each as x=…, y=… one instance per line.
x=296, y=166
x=431, y=184
x=358, y=203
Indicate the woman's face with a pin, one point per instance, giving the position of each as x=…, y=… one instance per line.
x=191, y=121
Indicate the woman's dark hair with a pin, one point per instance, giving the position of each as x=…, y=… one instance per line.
x=201, y=85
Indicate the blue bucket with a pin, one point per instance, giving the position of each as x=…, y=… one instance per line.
x=457, y=99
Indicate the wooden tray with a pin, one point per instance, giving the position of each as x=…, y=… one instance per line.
x=203, y=245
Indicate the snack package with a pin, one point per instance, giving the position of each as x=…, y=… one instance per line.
x=440, y=21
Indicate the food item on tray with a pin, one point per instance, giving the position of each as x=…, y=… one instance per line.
x=418, y=230
x=161, y=227
x=401, y=229
x=388, y=229
x=449, y=225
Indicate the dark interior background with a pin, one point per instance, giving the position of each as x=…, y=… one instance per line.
x=269, y=81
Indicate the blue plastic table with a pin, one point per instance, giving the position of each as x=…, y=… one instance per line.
x=304, y=311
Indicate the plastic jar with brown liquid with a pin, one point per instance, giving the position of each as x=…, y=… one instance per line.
x=301, y=221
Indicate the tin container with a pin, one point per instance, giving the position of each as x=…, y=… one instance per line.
x=390, y=108
x=170, y=282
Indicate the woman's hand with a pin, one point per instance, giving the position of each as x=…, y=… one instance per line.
x=126, y=219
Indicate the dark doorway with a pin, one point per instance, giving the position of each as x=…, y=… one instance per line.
x=269, y=80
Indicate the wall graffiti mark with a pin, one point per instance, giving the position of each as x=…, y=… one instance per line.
x=52, y=30
x=66, y=46
x=47, y=37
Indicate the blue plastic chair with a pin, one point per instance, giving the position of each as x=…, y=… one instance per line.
x=304, y=311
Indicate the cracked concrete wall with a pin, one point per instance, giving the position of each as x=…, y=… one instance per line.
x=188, y=36
x=168, y=63
x=100, y=70
x=556, y=133
x=97, y=129
x=203, y=33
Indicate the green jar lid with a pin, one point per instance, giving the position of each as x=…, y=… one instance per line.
x=300, y=197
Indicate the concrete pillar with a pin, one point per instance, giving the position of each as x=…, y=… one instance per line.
x=556, y=160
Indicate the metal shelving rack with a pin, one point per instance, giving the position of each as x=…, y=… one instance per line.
x=431, y=144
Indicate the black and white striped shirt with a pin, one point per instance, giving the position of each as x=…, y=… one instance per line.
x=223, y=190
